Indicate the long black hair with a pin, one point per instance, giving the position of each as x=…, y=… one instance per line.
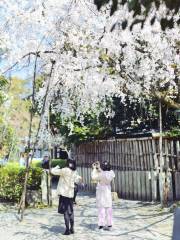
x=71, y=164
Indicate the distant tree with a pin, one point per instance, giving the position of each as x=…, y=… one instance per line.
x=15, y=113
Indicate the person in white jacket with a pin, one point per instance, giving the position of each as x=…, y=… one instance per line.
x=103, y=175
x=65, y=190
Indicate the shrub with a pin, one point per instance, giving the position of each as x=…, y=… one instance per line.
x=12, y=179
x=55, y=162
x=174, y=132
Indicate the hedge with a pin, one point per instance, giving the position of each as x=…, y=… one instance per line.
x=55, y=162
x=12, y=179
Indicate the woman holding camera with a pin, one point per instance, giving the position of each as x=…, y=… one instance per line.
x=103, y=175
x=65, y=190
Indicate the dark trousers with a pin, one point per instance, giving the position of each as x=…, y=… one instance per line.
x=66, y=207
x=69, y=220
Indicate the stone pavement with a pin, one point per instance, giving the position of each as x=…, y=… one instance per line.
x=132, y=220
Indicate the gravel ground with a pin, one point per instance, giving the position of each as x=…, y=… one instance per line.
x=132, y=220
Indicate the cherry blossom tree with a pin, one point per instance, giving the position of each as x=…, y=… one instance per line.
x=41, y=42
x=148, y=59
x=88, y=56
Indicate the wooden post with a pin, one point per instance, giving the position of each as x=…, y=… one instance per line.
x=44, y=188
x=161, y=174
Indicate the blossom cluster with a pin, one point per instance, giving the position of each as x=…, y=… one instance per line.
x=94, y=58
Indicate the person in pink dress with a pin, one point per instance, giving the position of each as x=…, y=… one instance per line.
x=103, y=175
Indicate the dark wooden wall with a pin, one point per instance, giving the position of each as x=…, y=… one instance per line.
x=136, y=165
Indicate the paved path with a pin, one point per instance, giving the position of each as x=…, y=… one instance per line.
x=132, y=220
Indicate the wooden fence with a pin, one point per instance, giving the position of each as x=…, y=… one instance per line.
x=136, y=165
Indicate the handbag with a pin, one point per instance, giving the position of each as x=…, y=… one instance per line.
x=61, y=208
x=113, y=193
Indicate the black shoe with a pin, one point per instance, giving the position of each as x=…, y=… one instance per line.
x=109, y=228
x=67, y=232
x=100, y=227
x=72, y=230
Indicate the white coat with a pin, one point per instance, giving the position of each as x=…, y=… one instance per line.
x=103, y=189
x=66, y=181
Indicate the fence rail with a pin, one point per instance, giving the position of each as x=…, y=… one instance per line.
x=136, y=164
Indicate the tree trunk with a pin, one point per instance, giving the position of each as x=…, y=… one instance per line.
x=49, y=190
x=23, y=197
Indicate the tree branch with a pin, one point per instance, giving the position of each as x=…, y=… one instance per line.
x=165, y=99
x=37, y=53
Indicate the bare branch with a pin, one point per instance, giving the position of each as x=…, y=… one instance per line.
x=37, y=53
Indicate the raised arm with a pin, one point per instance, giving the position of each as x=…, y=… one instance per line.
x=57, y=171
